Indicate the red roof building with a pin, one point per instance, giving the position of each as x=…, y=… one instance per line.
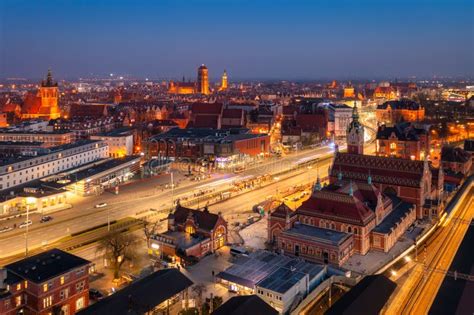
x=339, y=220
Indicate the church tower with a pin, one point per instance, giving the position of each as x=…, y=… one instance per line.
x=203, y=80
x=224, y=81
x=49, y=94
x=355, y=134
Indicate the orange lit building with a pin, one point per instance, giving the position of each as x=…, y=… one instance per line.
x=349, y=92
x=387, y=92
x=403, y=140
x=182, y=87
x=224, y=82
x=392, y=112
x=203, y=80
x=43, y=104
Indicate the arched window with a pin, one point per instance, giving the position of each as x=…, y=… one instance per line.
x=333, y=226
x=349, y=229
x=356, y=231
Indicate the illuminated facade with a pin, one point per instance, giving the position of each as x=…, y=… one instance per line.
x=349, y=92
x=182, y=87
x=393, y=112
x=224, y=82
x=203, y=80
x=44, y=104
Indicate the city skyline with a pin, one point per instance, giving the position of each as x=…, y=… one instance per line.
x=285, y=40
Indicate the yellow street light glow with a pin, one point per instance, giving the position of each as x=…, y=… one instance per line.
x=407, y=259
x=393, y=272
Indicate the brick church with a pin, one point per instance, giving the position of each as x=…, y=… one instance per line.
x=368, y=205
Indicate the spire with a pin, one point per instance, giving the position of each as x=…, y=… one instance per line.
x=49, y=80
x=317, y=186
x=339, y=175
x=355, y=113
x=351, y=190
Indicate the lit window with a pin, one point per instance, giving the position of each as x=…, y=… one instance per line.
x=48, y=301
x=61, y=280
x=26, y=284
x=393, y=145
x=18, y=287
x=45, y=287
x=79, y=303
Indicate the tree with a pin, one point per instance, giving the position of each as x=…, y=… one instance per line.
x=119, y=248
x=216, y=302
x=149, y=229
x=199, y=290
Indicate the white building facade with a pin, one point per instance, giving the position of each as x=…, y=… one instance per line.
x=15, y=172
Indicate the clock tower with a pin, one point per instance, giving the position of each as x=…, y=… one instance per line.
x=355, y=134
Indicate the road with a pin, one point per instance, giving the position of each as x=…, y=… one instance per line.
x=146, y=194
x=416, y=292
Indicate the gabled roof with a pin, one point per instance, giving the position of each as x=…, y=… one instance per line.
x=245, y=305
x=142, y=296
x=233, y=113
x=338, y=203
x=204, y=219
x=403, y=131
x=205, y=121
x=383, y=170
x=469, y=144
x=453, y=154
x=282, y=211
x=207, y=108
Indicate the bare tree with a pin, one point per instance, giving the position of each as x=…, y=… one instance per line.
x=118, y=248
x=199, y=290
x=150, y=229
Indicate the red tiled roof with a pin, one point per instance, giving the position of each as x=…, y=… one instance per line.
x=207, y=108
x=232, y=113
x=81, y=110
x=384, y=170
x=282, y=211
x=204, y=219
x=206, y=121
x=340, y=204
x=32, y=104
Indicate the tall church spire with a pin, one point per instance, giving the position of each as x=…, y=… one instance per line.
x=355, y=134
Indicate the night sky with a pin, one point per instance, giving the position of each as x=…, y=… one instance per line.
x=252, y=39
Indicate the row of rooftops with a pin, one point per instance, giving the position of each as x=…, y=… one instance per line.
x=207, y=135
x=47, y=151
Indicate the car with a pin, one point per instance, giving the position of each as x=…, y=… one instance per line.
x=25, y=224
x=95, y=295
x=101, y=205
x=46, y=218
x=6, y=229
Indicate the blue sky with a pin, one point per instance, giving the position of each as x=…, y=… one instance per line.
x=275, y=39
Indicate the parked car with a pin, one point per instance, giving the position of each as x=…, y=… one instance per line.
x=25, y=224
x=101, y=205
x=6, y=229
x=95, y=295
x=46, y=218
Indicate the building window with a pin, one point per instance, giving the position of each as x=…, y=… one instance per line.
x=18, y=287
x=61, y=280
x=26, y=284
x=190, y=229
x=18, y=301
x=79, y=303
x=45, y=287
x=48, y=301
